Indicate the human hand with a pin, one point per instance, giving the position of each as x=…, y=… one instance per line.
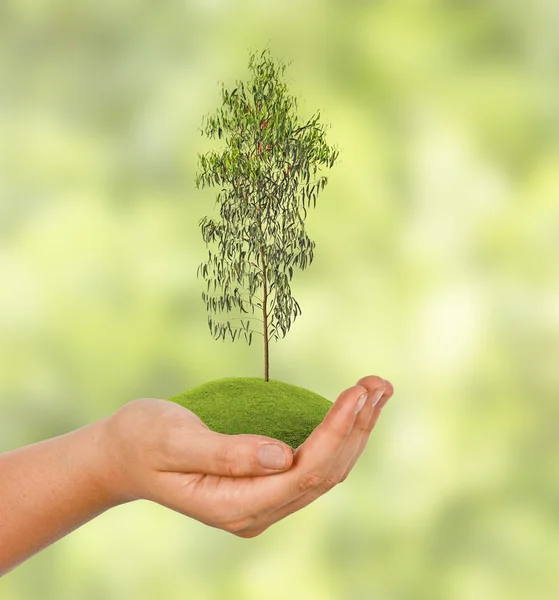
x=158, y=450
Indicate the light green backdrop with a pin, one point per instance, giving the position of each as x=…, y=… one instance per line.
x=436, y=266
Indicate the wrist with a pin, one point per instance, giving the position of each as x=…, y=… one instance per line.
x=107, y=472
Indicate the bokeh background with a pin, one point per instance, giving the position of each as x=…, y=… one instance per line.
x=436, y=266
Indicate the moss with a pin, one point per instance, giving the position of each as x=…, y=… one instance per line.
x=275, y=409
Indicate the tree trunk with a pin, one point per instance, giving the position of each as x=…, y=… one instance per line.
x=265, y=311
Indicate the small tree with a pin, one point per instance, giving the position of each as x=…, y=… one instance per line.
x=267, y=175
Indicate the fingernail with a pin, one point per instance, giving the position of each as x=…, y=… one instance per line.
x=271, y=456
x=360, y=403
x=377, y=395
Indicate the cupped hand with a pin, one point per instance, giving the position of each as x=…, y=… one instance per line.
x=159, y=451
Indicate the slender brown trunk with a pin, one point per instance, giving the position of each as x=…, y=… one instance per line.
x=265, y=311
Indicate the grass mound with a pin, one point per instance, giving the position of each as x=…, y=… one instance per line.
x=275, y=409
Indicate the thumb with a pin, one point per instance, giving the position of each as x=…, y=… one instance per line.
x=241, y=455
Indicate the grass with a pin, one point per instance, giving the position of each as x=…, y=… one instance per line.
x=275, y=409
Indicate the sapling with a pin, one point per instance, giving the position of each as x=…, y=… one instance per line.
x=267, y=172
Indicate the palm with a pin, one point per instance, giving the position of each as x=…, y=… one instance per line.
x=247, y=506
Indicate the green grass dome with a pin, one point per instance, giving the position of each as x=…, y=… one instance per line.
x=235, y=405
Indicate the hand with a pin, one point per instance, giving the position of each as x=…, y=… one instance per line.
x=163, y=452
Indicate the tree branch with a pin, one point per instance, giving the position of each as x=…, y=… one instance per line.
x=303, y=127
x=243, y=318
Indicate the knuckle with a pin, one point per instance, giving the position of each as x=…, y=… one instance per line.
x=328, y=483
x=230, y=460
x=308, y=481
x=239, y=527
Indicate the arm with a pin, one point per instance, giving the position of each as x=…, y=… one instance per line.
x=157, y=450
x=49, y=489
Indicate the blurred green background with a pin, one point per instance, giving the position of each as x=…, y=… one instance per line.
x=436, y=267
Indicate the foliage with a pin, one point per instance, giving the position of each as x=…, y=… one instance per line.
x=268, y=178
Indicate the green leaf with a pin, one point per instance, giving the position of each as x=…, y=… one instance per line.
x=245, y=179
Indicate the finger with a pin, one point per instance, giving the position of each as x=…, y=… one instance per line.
x=361, y=431
x=340, y=467
x=366, y=431
x=312, y=460
x=244, y=455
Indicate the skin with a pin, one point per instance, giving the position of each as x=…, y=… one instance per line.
x=156, y=450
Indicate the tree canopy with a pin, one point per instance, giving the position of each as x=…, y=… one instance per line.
x=268, y=175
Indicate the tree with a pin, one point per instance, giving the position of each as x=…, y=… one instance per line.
x=267, y=173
